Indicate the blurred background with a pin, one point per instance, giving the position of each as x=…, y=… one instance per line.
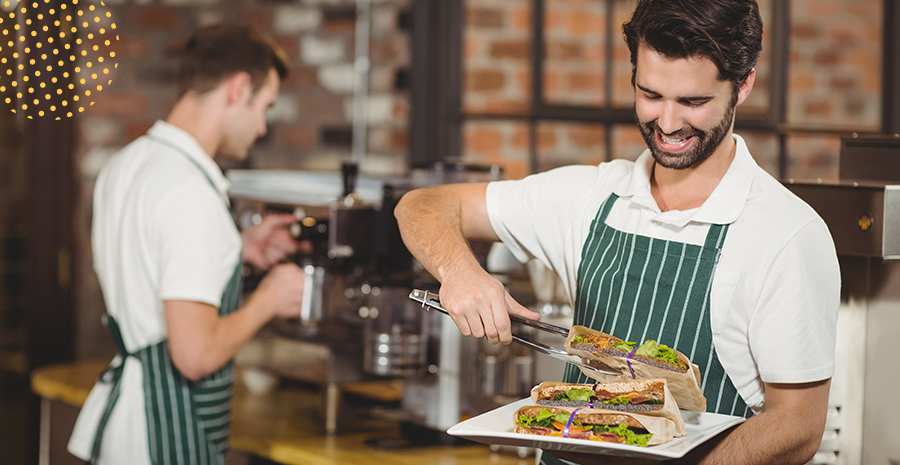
x=524, y=84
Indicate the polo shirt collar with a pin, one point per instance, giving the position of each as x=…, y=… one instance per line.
x=191, y=149
x=723, y=206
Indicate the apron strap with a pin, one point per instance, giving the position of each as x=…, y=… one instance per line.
x=716, y=236
x=606, y=207
x=110, y=375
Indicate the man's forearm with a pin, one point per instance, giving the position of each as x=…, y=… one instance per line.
x=788, y=431
x=431, y=227
x=201, y=341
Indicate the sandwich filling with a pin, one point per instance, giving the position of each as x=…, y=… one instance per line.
x=650, y=351
x=614, y=428
x=643, y=397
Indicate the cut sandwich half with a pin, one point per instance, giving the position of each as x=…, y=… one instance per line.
x=650, y=360
x=649, y=397
x=593, y=425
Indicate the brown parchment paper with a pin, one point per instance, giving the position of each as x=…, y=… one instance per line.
x=685, y=387
x=662, y=429
x=670, y=407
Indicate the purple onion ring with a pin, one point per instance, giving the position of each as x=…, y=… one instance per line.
x=628, y=361
x=569, y=424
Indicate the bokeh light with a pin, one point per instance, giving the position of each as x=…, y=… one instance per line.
x=78, y=37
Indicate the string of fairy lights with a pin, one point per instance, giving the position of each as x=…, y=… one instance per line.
x=38, y=49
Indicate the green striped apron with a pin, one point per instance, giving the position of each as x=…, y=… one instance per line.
x=637, y=287
x=187, y=421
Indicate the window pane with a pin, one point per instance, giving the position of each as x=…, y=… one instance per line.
x=561, y=144
x=764, y=149
x=627, y=142
x=622, y=92
x=497, y=56
x=575, y=55
x=757, y=102
x=493, y=142
x=813, y=157
x=835, y=69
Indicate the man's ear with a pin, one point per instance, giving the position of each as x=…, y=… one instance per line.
x=239, y=88
x=746, y=86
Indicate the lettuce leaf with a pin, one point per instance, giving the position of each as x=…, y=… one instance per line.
x=544, y=418
x=582, y=394
x=658, y=351
x=631, y=438
x=623, y=345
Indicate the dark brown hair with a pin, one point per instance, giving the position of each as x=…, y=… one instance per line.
x=728, y=32
x=215, y=53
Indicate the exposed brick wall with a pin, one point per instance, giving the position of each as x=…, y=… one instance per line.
x=496, y=56
x=835, y=70
x=575, y=50
x=834, y=80
x=309, y=126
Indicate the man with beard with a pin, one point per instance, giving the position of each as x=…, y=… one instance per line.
x=693, y=245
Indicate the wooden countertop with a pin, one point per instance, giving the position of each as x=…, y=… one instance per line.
x=284, y=425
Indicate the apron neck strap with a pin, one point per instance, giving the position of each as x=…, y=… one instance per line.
x=716, y=236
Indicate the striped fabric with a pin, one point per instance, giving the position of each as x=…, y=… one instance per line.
x=188, y=421
x=637, y=288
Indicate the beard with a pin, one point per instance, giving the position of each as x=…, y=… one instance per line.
x=705, y=144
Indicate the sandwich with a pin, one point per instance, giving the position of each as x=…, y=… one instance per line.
x=650, y=352
x=648, y=397
x=648, y=360
x=593, y=425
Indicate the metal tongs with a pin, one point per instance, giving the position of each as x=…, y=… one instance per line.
x=431, y=300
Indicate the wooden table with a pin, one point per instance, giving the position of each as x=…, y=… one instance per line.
x=283, y=426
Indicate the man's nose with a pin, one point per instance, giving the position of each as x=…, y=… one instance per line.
x=670, y=119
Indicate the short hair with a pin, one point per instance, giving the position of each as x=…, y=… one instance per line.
x=728, y=32
x=215, y=53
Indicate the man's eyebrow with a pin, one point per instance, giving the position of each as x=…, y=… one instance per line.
x=692, y=98
x=647, y=90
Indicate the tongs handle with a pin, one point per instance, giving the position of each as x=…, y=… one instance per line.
x=430, y=299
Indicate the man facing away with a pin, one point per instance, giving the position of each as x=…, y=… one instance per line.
x=169, y=259
x=692, y=245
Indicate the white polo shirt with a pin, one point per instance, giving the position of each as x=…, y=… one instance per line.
x=160, y=232
x=776, y=289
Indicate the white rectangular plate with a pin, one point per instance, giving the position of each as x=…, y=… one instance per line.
x=496, y=427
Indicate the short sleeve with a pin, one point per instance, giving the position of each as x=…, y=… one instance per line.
x=541, y=209
x=198, y=244
x=793, y=329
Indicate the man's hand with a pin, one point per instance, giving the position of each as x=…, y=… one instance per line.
x=480, y=306
x=281, y=291
x=269, y=242
x=436, y=224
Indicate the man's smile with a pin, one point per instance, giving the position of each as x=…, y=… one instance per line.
x=673, y=144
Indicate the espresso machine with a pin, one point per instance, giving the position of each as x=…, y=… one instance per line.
x=357, y=322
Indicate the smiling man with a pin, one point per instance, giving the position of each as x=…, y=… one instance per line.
x=169, y=258
x=692, y=245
